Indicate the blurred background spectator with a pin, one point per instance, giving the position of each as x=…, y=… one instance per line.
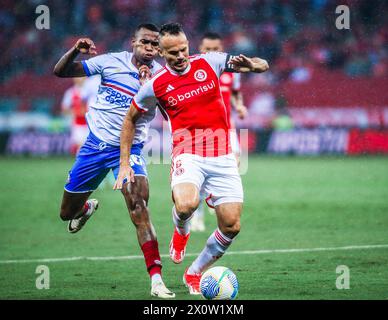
x=294, y=36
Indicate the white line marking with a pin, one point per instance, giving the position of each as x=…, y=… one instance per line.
x=376, y=246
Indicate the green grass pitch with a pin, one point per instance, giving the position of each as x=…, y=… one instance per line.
x=290, y=203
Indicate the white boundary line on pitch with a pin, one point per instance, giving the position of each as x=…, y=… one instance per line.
x=377, y=246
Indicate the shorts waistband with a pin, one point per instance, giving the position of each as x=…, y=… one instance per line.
x=99, y=144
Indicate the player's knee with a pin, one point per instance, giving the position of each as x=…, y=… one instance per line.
x=185, y=208
x=137, y=205
x=231, y=228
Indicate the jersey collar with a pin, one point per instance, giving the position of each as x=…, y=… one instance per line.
x=179, y=73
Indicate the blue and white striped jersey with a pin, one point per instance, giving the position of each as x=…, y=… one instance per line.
x=119, y=84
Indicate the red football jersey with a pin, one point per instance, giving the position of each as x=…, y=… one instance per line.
x=73, y=100
x=193, y=104
x=229, y=82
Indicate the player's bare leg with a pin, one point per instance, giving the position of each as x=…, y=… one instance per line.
x=73, y=204
x=136, y=196
x=186, y=199
x=77, y=209
x=228, y=217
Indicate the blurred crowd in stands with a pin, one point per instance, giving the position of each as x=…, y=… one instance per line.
x=299, y=38
x=295, y=36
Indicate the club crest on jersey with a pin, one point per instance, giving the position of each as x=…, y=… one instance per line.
x=200, y=75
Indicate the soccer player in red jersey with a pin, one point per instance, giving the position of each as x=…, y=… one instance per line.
x=188, y=91
x=230, y=84
x=74, y=103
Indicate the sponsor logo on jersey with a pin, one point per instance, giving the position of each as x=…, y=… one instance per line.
x=200, y=75
x=173, y=101
x=115, y=97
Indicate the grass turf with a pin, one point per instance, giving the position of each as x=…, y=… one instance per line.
x=289, y=203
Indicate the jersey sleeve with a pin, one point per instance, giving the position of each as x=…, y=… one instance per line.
x=94, y=65
x=219, y=61
x=145, y=99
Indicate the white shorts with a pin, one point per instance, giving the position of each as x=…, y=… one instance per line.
x=234, y=141
x=79, y=133
x=216, y=178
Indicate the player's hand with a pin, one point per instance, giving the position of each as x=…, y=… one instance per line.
x=86, y=46
x=242, y=111
x=144, y=74
x=243, y=64
x=125, y=172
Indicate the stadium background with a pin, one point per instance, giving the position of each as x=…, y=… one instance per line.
x=323, y=104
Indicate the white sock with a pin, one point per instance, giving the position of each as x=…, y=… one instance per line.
x=182, y=226
x=156, y=278
x=215, y=247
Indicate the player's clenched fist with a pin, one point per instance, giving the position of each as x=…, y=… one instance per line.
x=85, y=46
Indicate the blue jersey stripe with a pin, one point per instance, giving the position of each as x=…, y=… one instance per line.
x=121, y=84
x=86, y=69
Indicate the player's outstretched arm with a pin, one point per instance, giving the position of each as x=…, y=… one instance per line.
x=126, y=139
x=66, y=67
x=242, y=64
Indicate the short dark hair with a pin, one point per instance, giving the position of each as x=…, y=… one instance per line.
x=171, y=28
x=148, y=26
x=211, y=36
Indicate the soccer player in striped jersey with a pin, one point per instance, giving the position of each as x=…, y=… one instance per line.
x=122, y=75
x=188, y=91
